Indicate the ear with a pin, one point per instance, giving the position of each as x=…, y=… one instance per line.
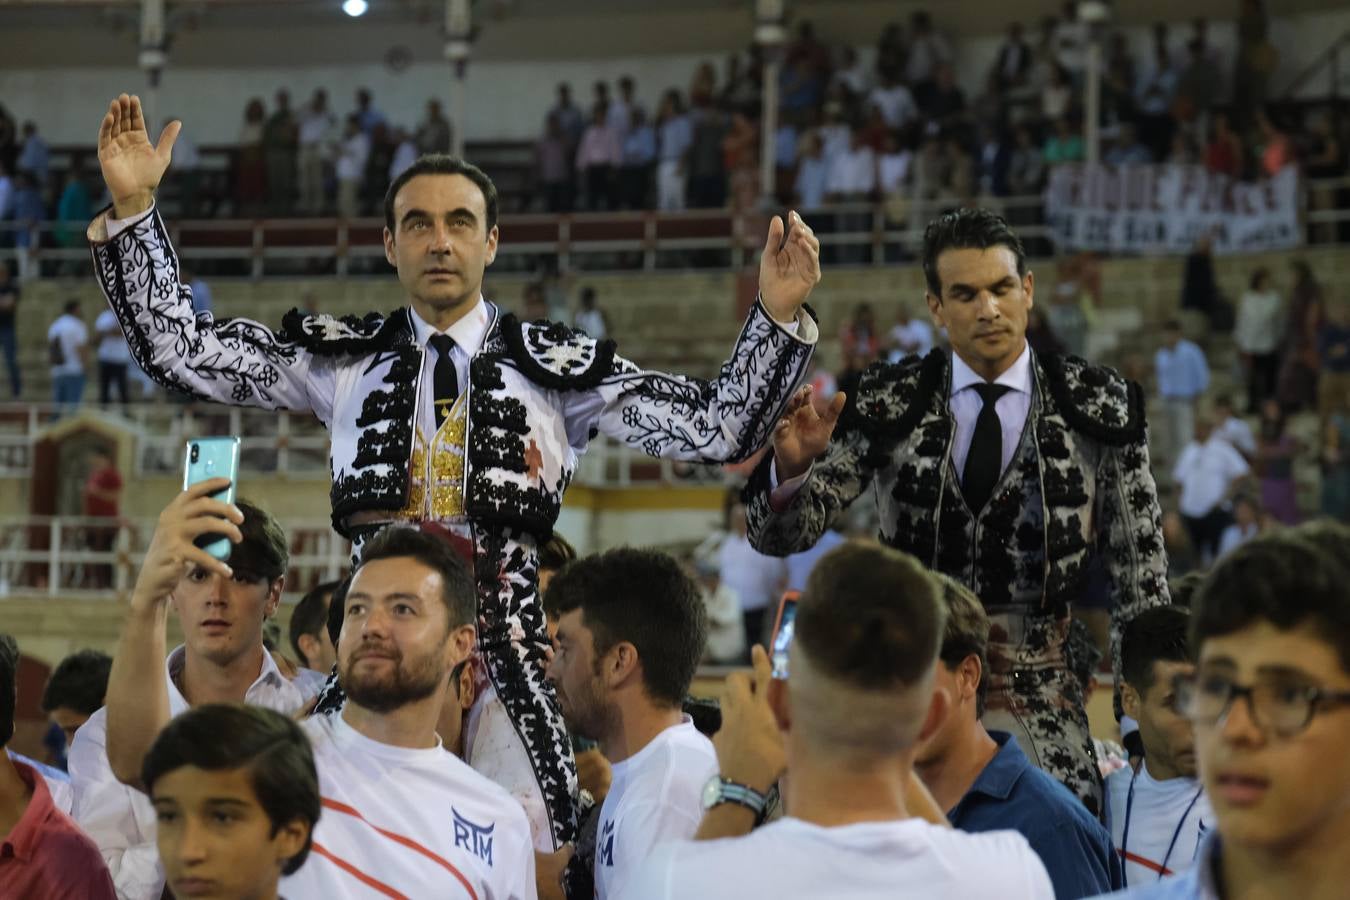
x=465, y=691
x=274, y=597
x=389, y=247
x=934, y=309
x=622, y=664
x=1130, y=701
x=491, y=246
x=968, y=678
x=459, y=643
x=309, y=648
x=1029, y=286
x=778, y=693
x=289, y=840
x=938, y=710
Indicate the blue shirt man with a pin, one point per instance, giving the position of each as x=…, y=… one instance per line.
x=1013, y=794
x=1182, y=371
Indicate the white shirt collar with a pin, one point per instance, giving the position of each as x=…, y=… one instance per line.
x=269, y=674
x=468, y=331
x=1017, y=376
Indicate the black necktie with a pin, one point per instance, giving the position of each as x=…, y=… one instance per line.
x=984, y=462
x=444, y=381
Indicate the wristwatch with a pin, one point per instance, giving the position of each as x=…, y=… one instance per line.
x=721, y=790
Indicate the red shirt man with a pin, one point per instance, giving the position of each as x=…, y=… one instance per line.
x=103, y=487
x=46, y=856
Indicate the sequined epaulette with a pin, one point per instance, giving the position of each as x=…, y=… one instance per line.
x=1096, y=401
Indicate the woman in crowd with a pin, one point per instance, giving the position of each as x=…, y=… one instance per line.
x=1260, y=328
x=1276, y=451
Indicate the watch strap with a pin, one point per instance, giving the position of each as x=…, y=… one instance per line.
x=742, y=795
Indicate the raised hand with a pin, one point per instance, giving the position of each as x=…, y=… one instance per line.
x=789, y=267
x=750, y=744
x=173, y=553
x=132, y=166
x=803, y=434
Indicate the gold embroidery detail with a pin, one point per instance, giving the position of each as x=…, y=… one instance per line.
x=436, y=491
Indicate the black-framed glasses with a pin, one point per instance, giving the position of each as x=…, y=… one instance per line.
x=1284, y=708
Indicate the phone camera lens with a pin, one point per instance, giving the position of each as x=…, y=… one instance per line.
x=196, y=452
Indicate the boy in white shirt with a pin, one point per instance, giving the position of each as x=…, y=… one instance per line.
x=630, y=636
x=1157, y=815
x=401, y=816
x=858, y=700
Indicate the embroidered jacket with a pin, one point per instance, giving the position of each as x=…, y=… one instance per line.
x=528, y=385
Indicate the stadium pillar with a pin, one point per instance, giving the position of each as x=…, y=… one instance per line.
x=458, y=37
x=1094, y=15
x=152, y=57
x=769, y=34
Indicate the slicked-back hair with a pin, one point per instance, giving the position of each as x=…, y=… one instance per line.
x=310, y=616
x=457, y=585
x=645, y=598
x=870, y=617
x=269, y=746
x=1290, y=578
x=9, y=686
x=556, y=552
x=1159, y=634
x=263, y=554
x=967, y=229
x=966, y=633
x=443, y=164
x=79, y=682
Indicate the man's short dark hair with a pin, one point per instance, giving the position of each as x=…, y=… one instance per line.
x=1172, y=325
x=870, y=617
x=443, y=164
x=554, y=554
x=966, y=634
x=263, y=553
x=1182, y=588
x=79, y=682
x=310, y=616
x=9, y=686
x=1290, y=578
x=1155, y=635
x=967, y=229
x=457, y=585
x=269, y=746
x=71, y=307
x=645, y=598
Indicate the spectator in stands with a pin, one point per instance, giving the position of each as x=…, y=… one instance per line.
x=1249, y=520
x=554, y=556
x=673, y=137
x=6, y=199
x=9, y=150
x=570, y=119
x=1257, y=59
x=1258, y=334
x=1232, y=428
x=599, y=154
x=552, y=156
x=1012, y=65
x=353, y=154
x=1065, y=144
x=590, y=318
x=1158, y=812
x=984, y=780
x=280, y=142
x=43, y=854
x=29, y=210
x=757, y=579
x=851, y=73
x=909, y=336
x=9, y=305
x=308, y=630
x=1200, y=84
x=1334, y=460
x=1127, y=149
x=1224, y=154
x=1199, y=290
x=925, y=52
x=1056, y=95
x=101, y=498
x=1296, y=385
x=1276, y=149
x=1209, y=472
x=846, y=725
x=1071, y=41
x=75, y=690
x=1183, y=377
x=1026, y=165
x=706, y=169
x=367, y=116
x=1273, y=676
x=221, y=660
x=1333, y=352
x=639, y=161
x=1324, y=158
x=187, y=163
x=405, y=153
x=237, y=798
x=34, y=155
x=1155, y=95
x=250, y=175
x=1119, y=80
x=895, y=101
x=619, y=112
x=202, y=298
x=809, y=186
x=944, y=102
x=317, y=135
x=433, y=132
x=74, y=206
x=1276, y=451
x=631, y=634
x=67, y=352
x=113, y=358
x=890, y=55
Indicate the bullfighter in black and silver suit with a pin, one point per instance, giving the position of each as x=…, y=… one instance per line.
x=453, y=412
x=1003, y=468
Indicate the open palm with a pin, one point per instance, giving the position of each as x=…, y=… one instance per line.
x=789, y=267
x=132, y=166
x=803, y=434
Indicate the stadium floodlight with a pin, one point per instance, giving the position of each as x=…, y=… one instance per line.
x=355, y=8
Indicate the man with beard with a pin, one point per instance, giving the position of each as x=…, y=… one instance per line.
x=401, y=817
x=630, y=634
x=222, y=660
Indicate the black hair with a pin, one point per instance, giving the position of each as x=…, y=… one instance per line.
x=962, y=229
x=335, y=605
x=1290, y=578
x=556, y=552
x=443, y=164
x=1259, y=275
x=457, y=585
x=1182, y=588
x=9, y=686
x=645, y=598
x=269, y=746
x=263, y=553
x=965, y=634
x=1155, y=635
x=71, y=307
x=310, y=616
x=79, y=682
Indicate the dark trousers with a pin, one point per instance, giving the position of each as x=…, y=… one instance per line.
x=112, y=375
x=10, y=349
x=1206, y=530
x=635, y=183
x=707, y=191
x=1262, y=376
x=600, y=187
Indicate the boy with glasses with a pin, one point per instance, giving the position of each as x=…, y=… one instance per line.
x=1270, y=702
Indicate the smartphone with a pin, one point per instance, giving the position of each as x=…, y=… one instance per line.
x=206, y=458
x=782, y=633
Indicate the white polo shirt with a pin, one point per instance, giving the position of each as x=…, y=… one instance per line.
x=1167, y=821
x=1204, y=472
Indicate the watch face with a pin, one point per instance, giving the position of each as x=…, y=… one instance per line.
x=712, y=792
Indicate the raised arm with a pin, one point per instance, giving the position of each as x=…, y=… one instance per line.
x=138, y=696
x=234, y=361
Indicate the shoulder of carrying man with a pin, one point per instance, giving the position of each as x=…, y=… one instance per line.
x=1096, y=401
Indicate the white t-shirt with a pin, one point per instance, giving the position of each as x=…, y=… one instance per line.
x=1204, y=472
x=113, y=348
x=792, y=859
x=73, y=335
x=1158, y=808
x=914, y=337
x=656, y=796
x=756, y=578
x=413, y=823
x=1238, y=433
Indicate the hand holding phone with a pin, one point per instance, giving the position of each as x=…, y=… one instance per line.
x=783, y=628
x=175, y=546
x=206, y=458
